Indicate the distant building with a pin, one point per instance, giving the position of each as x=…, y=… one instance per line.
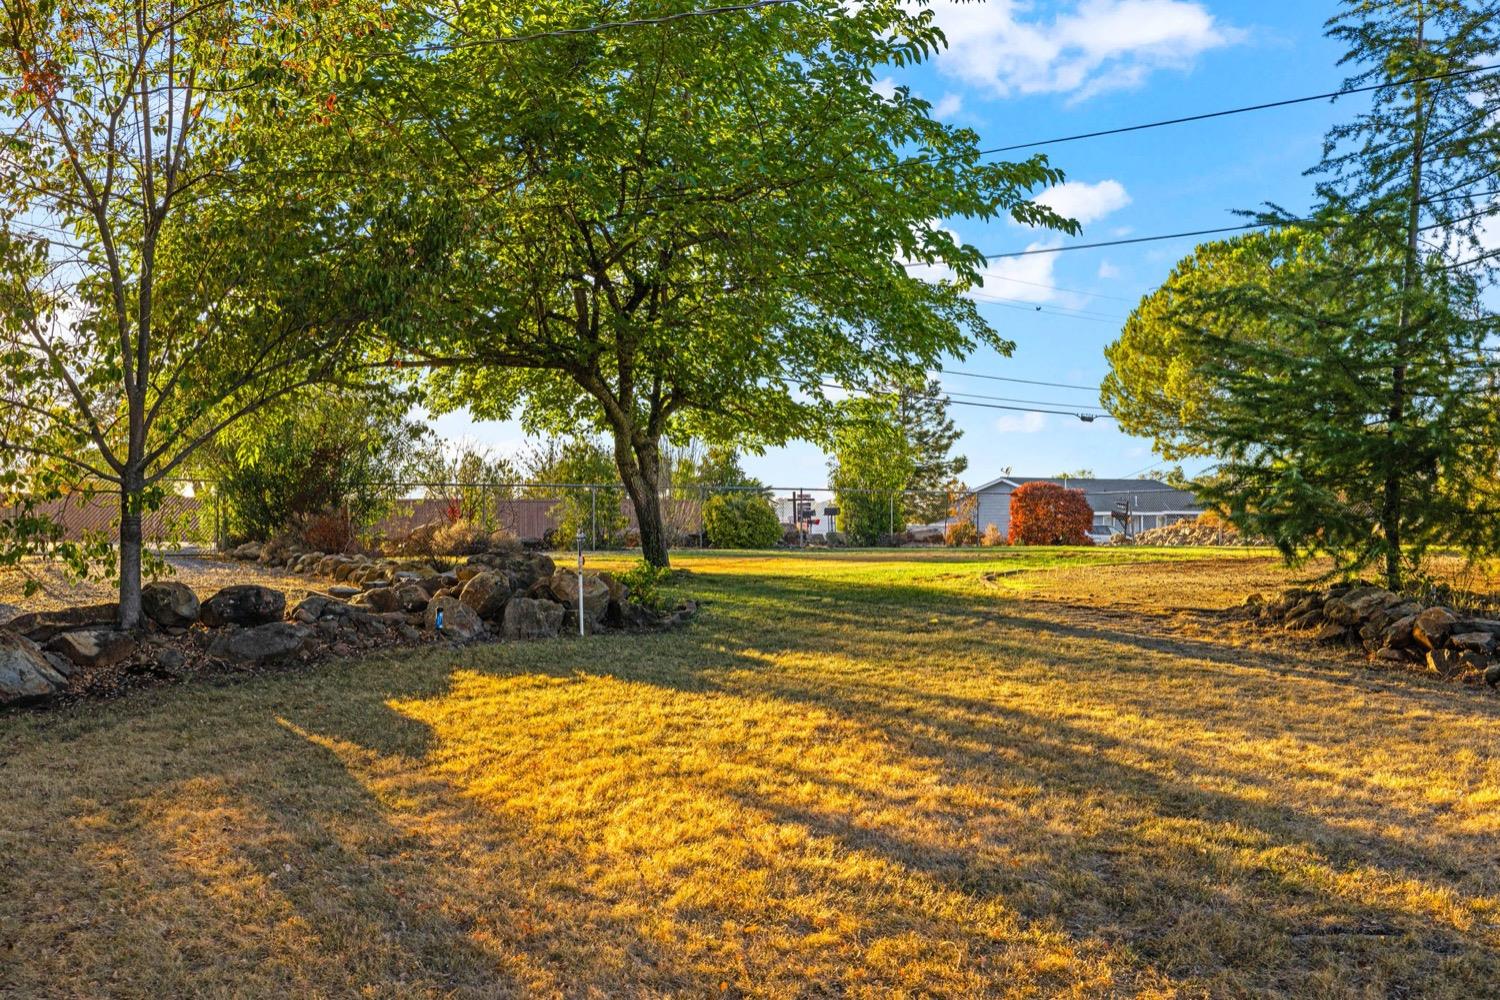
x=1150, y=504
x=812, y=515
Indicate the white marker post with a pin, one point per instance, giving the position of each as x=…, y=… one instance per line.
x=580, y=581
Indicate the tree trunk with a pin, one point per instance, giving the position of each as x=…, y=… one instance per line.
x=130, y=556
x=640, y=470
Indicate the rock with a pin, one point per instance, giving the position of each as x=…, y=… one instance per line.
x=40, y=626
x=380, y=599
x=1445, y=663
x=617, y=590
x=1433, y=626
x=1492, y=675
x=1331, y=632
x=25, y=674
x=1391, y=656
x=526, y=618
x=453, y=618
x=263, y=643
x=344, y=593
x=171, y=661
x=411, y=597
x=1398, y=634
x=1476, y=642
x=249, y=552
x=244, y=604
x=97, y=647
x=1472, y=625
x=170, y=604
x=564, y=587
x=486, y=593
x=9, y=613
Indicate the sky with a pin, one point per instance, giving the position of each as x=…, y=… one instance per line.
x=1017, y=72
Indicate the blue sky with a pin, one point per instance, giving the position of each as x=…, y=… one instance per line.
x=1018, y=72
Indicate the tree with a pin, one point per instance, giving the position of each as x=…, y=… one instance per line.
x=870, y=466
x=931, y=434
x=1043, y=513
x=693, y=228
x=319, y=451
x=562, y=467
x=1342, y=374
x=173, y=258
x=1158, y=384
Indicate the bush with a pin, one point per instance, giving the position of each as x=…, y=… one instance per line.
x=1044, y=513
x=992, y=537
x=740, y=521
x=961, y=533
x=330, y=531
x=464, y=537
x=643, y=583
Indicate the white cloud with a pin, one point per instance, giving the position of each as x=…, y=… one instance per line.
x=947, y=106
x=1099, y=45
x=1107, y=271
x=885, y=87
x=1087, y=203
x=1022, y=423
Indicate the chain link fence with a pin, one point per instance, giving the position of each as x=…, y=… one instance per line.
x=192, y=516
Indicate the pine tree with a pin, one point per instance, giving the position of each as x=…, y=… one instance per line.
x=922, y=413
x=1364, y=428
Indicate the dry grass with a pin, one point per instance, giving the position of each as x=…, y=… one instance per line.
x=956, y=774
x=205, y=576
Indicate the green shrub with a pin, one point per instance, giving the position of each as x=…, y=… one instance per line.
x=643, y=582
x=740, y=521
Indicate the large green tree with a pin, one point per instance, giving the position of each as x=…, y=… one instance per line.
x=1338, y=368
x=174, y=256
x=679, y=227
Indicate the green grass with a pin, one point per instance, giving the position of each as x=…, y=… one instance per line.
x=857, y=774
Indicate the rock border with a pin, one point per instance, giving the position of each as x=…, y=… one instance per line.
x=78, y=652
x=1390, y=629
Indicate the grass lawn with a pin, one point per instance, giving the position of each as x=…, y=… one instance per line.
x=856, y=774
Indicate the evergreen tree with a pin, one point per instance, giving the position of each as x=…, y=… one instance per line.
x=922, y=415
x=1367, y=431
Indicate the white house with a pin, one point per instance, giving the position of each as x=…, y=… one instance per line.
x=1150, y=504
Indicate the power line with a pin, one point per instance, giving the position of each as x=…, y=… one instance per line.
x=1330, y=95
x=1007, y=399
x=1021, y=381
x=1086, y=417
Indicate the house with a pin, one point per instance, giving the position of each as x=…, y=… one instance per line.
x=1150, y=504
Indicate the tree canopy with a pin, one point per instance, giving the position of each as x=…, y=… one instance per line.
x=693, y=230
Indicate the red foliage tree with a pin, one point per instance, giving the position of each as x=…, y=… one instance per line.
x=1048, y=514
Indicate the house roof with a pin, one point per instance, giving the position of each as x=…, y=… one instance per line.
x=1144, y=495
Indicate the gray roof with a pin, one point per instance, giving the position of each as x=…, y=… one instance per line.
x=1146, y=496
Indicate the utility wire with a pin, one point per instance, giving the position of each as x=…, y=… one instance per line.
x=1021, y=381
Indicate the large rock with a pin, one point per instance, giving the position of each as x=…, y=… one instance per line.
x=1474, y=642
x=1492, y=675
x=261, y=644
x=25, y=674
x=96, y=647
x=39, y=626
x=486, y=593
x=245, y=604
x=529, y=619
x=170, y=604
x=564, y=587
x=453, y=618
x=1433, y=627
x=411, y=597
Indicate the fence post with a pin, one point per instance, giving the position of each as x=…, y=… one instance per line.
x=892, y=529
x=702, y=524
x=594, y=517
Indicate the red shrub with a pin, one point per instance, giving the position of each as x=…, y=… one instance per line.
x=1048, y=514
